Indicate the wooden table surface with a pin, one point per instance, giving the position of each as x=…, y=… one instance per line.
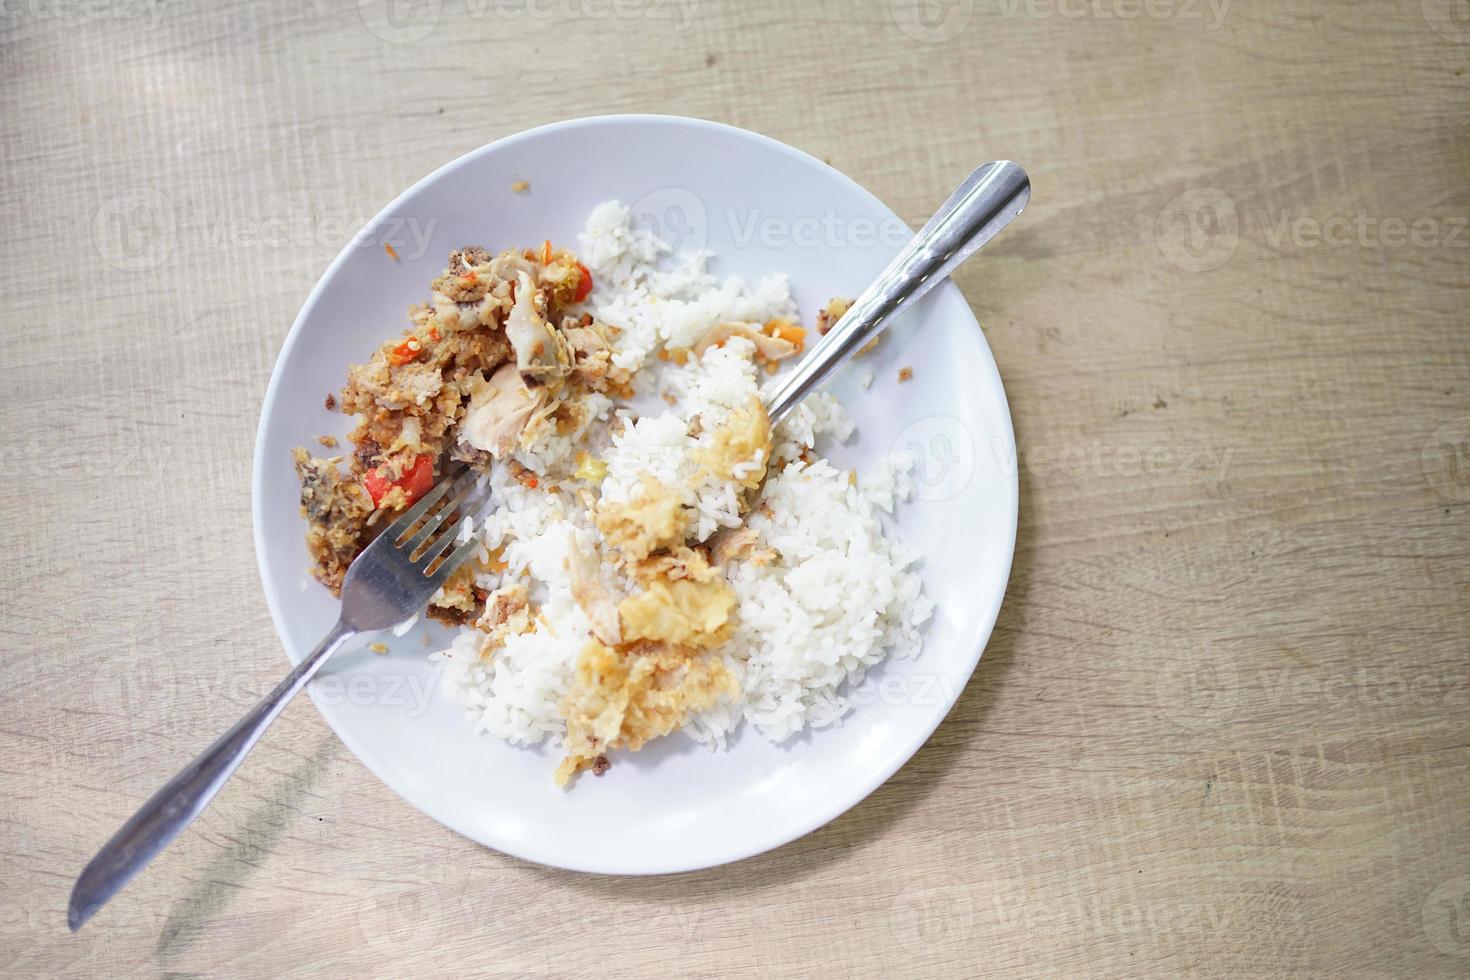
x=1221, y=728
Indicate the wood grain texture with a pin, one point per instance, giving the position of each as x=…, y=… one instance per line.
x=1221, y=727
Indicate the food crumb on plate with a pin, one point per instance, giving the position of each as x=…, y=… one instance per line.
x=378, y=647
x=329, y=441
x=828, y=316
x=867, y=381
x=392, y=252
x=905, y=373
x=520, y=186
x=330, y=402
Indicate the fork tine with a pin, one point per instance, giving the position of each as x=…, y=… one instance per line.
x=414, y=514
x=456, y=557
x=443, y=543
x=463, y=486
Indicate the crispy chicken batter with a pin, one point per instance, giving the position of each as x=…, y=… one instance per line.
x=676, y=563
x=336, y=511
x=651, y=521
x=680, y=611
x=742, y=447
x=624, y=699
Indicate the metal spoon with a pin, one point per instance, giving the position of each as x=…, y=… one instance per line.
x=988, y=200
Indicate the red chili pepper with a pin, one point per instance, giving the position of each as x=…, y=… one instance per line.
x=584, y=285
x=407, y=351
x=417, y=481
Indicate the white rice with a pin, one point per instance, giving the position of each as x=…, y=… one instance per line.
x=839, y=595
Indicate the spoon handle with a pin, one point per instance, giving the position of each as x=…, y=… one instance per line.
x=981, y=206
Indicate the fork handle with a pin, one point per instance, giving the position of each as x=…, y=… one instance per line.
x=185, y=796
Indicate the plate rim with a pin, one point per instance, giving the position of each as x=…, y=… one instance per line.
x=842, y=803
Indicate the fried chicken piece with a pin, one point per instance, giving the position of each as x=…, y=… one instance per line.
x=738, y=544
x=336, y=509
x=679, y=611
x=651, y=521
x=541, y=350
x=499, y=410
x=592, y=349
x=677, y=563
x=742, y=447
x=624, y=699
x=458, y=600
x=590, y=592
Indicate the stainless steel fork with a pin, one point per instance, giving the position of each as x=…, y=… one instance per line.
x=392, y=580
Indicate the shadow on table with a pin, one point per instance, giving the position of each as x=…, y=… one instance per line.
x=260, y=831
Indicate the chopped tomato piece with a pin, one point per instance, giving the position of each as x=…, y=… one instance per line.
x=418, y=481
x=584, y=285
x=409, y=350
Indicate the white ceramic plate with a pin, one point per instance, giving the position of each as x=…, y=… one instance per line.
x=762, y=207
